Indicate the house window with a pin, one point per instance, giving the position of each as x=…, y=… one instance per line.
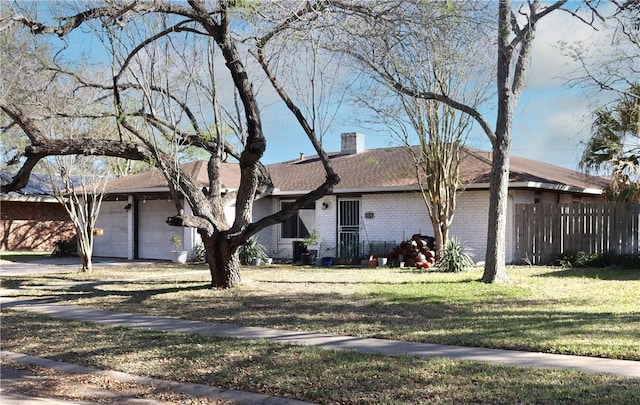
x=300, y=224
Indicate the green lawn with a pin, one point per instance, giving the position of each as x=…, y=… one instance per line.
x=22, y=256
x=305, y=373
x=582, y=311
x=585, y=312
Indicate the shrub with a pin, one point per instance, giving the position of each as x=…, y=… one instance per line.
x=198, y=253
x=581, y=259
x=455, y=257
x=251, y=249
x=63, y=248
x=596, y=260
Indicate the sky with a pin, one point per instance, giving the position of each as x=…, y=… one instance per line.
x=551, y=122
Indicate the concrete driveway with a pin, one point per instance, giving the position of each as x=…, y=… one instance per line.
x=57, y=265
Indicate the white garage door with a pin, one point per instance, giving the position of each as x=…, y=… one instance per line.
x=113, y=220
x=154, y=235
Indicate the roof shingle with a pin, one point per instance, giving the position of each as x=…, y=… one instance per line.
x=373, y=169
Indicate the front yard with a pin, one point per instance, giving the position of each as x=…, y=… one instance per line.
x=584, y=312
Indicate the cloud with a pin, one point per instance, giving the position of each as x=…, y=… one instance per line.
x=550, y=126
x=548, y=66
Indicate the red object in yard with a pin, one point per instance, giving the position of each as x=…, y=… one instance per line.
x=426, y=265
x=419, y=265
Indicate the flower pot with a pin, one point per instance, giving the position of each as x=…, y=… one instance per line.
x=308, y=258
x=179, y=256
x=256, y=262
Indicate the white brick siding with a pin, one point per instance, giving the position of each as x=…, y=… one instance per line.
x=397, y=216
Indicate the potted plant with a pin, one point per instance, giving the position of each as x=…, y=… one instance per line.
x=178, y=255
x=252, y=252
x=312, y=244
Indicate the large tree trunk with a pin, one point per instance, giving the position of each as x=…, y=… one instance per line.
x=224, y=263
x=495, y=268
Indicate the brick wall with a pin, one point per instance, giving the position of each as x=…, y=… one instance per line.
x=396, y=216
x=33, y=225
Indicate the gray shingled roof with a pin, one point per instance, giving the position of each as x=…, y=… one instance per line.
x=392, y=168
x=371, y=170
x=38, y=186
x=152, y=180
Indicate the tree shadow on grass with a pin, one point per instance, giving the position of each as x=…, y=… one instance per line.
x=81, y=290
x=495, y=321
x=312, y=374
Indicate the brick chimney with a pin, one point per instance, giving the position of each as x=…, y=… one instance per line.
x=352, y=142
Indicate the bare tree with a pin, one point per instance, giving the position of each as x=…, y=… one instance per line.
x=515, y=28
x=425, y=57
x=612, y=64
x=77, y=186
x=153, y=91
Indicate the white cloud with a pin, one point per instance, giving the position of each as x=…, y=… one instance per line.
x=548, y=66
x=549, y=126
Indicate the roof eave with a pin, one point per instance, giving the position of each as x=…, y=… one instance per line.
x=556, y=187
x=151, y=190
x=29, y=198
x=473, y=186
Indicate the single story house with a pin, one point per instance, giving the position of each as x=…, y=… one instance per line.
x=32, y=219
x=376, y=204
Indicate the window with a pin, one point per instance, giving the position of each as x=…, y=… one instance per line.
x=300, y=224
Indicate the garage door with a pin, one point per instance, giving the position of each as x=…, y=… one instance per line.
x=154, y=235
x=113, y=220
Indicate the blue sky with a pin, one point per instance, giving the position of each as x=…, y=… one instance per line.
x=550, y=123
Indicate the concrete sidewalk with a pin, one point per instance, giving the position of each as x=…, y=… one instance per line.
x=195, y=390
x=624, y=368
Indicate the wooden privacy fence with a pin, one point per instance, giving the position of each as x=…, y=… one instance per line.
x=544, y=231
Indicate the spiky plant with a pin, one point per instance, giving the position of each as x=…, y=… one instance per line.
x=455, y=257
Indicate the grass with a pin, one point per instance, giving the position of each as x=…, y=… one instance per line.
x=305, y=373
x=578, y=311
x=22, y=256
x=583, y=311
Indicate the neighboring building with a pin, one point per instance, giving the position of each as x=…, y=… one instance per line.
x=32, y=219
x=377, y=201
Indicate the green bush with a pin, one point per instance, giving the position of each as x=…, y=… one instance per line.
x=596, y=260
x=581, y=259
x=252, y=249
x=63, y=248
x=455, y=257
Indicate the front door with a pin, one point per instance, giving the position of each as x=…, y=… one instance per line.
x=349, y=227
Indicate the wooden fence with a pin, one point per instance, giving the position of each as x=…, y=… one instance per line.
x=543, y=232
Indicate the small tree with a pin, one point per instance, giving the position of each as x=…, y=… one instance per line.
x=80, y=191
x=430, y=48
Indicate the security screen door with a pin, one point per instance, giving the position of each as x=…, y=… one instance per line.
x=349, y=227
